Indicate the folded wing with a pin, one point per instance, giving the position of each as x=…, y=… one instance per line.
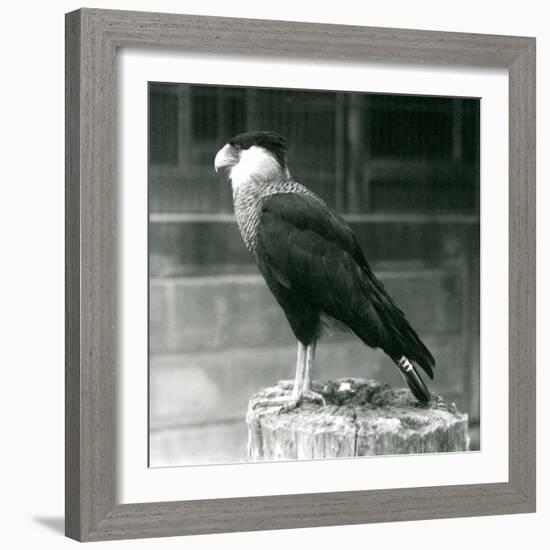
x=305, y=248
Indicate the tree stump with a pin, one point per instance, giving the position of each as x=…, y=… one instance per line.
x=361, y=418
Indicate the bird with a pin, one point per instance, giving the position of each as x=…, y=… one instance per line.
x=313, y=265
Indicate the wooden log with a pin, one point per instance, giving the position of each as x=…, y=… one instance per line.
x=361, y=417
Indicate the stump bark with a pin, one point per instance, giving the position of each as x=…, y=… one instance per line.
x=361, y=418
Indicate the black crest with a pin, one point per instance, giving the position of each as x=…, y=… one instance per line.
x=271, y=141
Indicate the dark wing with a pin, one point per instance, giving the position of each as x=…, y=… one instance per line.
x=306, y=248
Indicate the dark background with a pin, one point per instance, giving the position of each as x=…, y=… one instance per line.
x=402, y=170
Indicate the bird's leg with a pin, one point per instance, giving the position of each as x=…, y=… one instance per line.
x=310, y=358
x=297, y=390
x=289, y=403
x=301, y=359
x=307, y=392
x=302, y=382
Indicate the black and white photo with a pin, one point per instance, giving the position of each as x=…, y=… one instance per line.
x=314, y=274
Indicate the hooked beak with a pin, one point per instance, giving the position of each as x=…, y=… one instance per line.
x=225, y=158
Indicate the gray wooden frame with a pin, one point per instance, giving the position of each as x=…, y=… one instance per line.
x=92, y=38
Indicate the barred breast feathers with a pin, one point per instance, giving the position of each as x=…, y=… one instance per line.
x=248, y=198
x=257, y=176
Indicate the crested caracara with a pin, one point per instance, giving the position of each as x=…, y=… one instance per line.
x=312, y=263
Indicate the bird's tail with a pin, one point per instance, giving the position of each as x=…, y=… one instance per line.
x=414, y=381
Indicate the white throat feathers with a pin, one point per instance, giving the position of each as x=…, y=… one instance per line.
x=258, y=165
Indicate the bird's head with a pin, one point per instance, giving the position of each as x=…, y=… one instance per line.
x=253, y=155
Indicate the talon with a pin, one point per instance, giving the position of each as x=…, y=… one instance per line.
x=288, y=404
x=315, y=397
x=291, y=405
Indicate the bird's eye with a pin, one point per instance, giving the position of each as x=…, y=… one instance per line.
x=237, y=148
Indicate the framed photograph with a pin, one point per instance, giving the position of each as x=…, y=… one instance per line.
x=300, y=275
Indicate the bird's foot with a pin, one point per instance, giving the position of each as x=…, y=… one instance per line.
x=296, y=401
x=314, y=397
x=290, y=404
x=286, y=404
